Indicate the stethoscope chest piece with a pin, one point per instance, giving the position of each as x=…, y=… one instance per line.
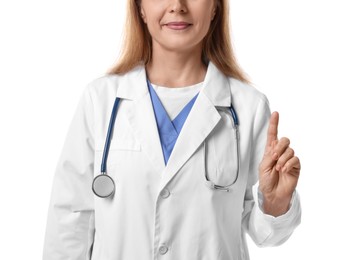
x=103, y=186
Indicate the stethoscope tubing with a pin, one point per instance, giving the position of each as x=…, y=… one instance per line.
x=209, y=183
x=109, y=135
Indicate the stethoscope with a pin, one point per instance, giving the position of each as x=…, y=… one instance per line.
x=208, y=182
x=103, y=185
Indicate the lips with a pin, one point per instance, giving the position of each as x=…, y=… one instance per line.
x=178, y=25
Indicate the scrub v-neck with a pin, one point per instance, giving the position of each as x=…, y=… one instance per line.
x=168, y=130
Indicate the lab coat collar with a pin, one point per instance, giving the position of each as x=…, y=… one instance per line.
x=215, y=87
x=201, y=120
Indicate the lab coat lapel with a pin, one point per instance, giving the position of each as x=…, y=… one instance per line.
x=140, y=114
x=201, y=120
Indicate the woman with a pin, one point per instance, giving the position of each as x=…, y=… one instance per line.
x=186, y=188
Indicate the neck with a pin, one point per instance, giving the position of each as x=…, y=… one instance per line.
x=176, y=69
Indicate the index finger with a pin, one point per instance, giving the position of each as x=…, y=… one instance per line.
x=273, y=128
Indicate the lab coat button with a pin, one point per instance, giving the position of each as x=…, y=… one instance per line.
x=165, y=193
x=163, y=250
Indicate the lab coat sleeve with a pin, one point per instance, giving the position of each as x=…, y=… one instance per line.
x=70, y=222
x=265, y=230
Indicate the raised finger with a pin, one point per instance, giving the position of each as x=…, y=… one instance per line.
x=272, y=134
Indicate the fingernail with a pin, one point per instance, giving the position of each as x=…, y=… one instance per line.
x=277, y=167
x=283, y=169
x=275, y=156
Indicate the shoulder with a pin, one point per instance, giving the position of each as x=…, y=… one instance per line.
x=246, y=91
x=108, y=84
x=251, y=103
x=102, y=90
x=103, y=85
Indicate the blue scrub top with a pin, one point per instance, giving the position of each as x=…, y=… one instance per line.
x=168, y=130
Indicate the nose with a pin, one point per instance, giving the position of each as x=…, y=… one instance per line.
x=178, y=6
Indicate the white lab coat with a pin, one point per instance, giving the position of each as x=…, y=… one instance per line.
x=162, y=212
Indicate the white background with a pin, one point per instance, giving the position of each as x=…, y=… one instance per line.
x=299, y=53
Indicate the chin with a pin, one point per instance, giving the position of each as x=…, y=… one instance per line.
x=178, y=45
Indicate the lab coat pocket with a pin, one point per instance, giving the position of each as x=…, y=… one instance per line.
x=118, y=152
x=221, y=154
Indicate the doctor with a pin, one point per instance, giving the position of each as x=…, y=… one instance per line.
x=174, y=137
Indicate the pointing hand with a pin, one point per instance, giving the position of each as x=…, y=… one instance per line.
x=279, y=171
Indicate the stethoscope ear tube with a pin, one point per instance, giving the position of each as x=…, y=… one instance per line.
x=211, y=185
x=208, y=182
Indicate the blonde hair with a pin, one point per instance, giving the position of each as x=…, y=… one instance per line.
x=217, y=47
